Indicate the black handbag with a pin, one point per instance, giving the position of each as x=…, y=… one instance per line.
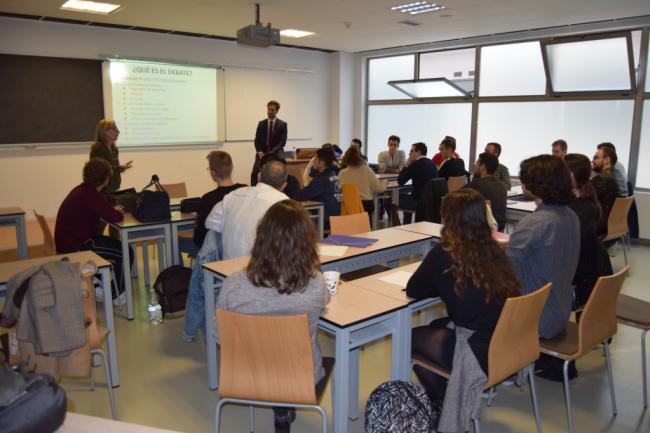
x=30, y=403
x=190, y=204
x=152, y=205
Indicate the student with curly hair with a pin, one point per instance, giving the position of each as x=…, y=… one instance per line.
x=471, y=273
x=282, y=278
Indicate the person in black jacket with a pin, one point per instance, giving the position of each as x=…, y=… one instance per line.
x=471, y=273
x=325, y=186
x=604, y=184
x=451, y=165
x=419, y=169
x=292, y=189
x=491, y=188
x=270, y=136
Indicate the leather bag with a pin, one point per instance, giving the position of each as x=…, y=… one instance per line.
x=152, y=205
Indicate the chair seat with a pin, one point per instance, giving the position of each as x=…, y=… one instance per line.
x=563, y=346
x=633, y=311
x=418, y=359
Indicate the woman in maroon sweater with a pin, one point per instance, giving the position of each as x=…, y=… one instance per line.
x=79, y=216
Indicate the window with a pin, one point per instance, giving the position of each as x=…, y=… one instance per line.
x=419, y=122
x=454, y=65
x=428, y=88
x=643, y=176
x=512, y=69
x=526, y=129
x=589, y=65
x=383, y=70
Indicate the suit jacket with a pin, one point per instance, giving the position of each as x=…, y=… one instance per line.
x=278, y=137
x=419, y=172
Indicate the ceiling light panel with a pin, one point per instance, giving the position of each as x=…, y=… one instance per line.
x=293, y=33
x=90, y=6
x=417, y=7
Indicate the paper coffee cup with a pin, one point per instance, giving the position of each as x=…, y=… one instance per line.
x=332, y=281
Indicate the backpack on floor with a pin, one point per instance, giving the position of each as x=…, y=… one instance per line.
x=399, y=407
x=171, y=289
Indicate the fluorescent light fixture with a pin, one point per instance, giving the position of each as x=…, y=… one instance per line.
x=418, y=7
x=429, y=88
x=90, y=6
x=293, y=33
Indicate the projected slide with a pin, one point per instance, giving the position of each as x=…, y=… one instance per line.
x=155, y=103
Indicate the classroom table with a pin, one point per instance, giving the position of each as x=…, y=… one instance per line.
x=316, y=210
x=9, y=269
x=132, y=230
x=15, y=216
x=392, y=245
x=393, y=191
x=388, y=176
x=78, y=423
x=516, y=210
x=423, y=227
x=175, y=204
x=515, y=191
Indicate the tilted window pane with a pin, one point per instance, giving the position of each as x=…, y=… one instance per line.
x=428, y=123
x=642, y=173
x=455, y=65
x=647, y=73
x=381, y=71
x=526, y=129
x=428, y=89
x=601, y=64
x=512, y=69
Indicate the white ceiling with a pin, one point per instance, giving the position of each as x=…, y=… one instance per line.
x=348, y=25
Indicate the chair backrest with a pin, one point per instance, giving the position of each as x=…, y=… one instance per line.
x=456, y=182
x=515, y=341
x=351, y=203
x=175, y=190
x=617, y=220
x=598, y=319
x=350, y=224
x=306, y=152
x=267, y=358
x=48, y=239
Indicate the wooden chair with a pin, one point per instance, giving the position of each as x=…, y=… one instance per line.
x=175, y=190
x=455, y=183
x=617, y=223
x=351, y=203
x=512, y=348
x=48, y=239
x=636, y=313
x=597, y=324
x=266, y=361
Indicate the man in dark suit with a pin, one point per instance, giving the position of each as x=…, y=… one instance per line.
x=270, y=137
x=419, y=169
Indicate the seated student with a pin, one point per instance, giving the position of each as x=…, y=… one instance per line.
x=617, y=171
x=357, y=144
x=79, y=216
x=419, y=169
x=292, y=189
x=325, y=186
x=471, y=273
x=559, y=148
x=438, y=158
x=282, y=278
x=451, y=164
x=545, y=245
x=605, y=184
x=393, y=159
x=237, y=215
x=311, y=172
x=359, y=174
x=502, y=174
x=490, y=187
x=593, y=261
x=220, y=167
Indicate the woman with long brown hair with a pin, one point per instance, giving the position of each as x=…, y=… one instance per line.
x=360, y=175
x=282, y=278
x=471, y=273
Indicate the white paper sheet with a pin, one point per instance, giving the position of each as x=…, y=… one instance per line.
x=332, y=250
x=399, y=278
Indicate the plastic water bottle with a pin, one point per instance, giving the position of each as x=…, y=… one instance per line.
x=155, y=313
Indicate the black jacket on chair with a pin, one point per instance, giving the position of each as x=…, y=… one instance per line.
x=431, y=201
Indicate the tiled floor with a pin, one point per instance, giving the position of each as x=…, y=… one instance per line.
x=163, y=381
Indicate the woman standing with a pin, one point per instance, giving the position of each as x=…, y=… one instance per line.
x=282, y=278
x=471, y=273
x=104, y=147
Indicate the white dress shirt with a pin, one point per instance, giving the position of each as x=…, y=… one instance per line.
x=237, y=215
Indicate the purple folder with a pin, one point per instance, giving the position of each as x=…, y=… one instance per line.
x=349, y=241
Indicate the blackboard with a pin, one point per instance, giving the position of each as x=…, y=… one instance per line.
x=49, y=100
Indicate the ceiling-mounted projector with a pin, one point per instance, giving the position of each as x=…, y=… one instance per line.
x=257, y=34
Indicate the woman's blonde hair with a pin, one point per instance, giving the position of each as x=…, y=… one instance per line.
x=100, y=129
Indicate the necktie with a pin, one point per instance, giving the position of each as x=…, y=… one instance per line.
x=269, y=143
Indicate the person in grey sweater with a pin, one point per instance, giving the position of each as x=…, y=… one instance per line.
x=282, y=278
x=545, y=245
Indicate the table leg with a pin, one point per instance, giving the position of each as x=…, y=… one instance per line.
x=126, y=270
x=168, y=246
x=341, y=375
x=375, y=212
x=209, y=285
x=353, y=389
x=110, y=324
x=174, y=238
x=21, y=237
x=321, y=221
x=401, y=365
